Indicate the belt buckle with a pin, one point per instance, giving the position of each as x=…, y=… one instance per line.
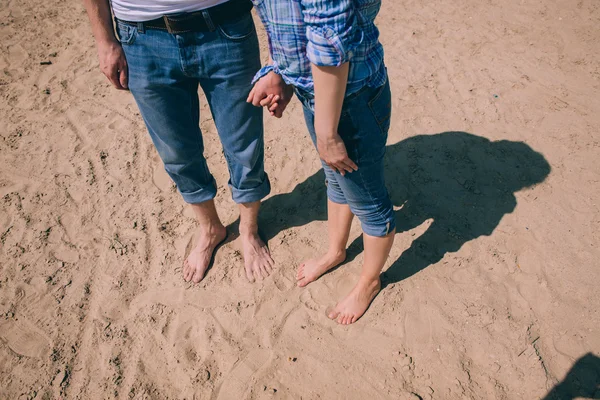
x=167, y=24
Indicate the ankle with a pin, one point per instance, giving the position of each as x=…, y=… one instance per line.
x=369, y=282
x=212, y=229
x=336, y=254
x=249, y=231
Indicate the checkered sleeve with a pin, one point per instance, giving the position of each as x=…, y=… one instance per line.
x=332, y=31
x=262, y=72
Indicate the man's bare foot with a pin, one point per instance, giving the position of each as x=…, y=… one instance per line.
x=195, y=266
x=257, y=257
x=312, y=269
x=353, y=306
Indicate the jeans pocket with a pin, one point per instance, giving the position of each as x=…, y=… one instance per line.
x=364, y=123
x=126, y=33
x=381, y=106
x=238, y=30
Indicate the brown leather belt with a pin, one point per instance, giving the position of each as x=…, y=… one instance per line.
x=199, y=21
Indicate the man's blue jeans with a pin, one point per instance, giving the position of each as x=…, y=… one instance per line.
x=364, y=125
x=164, y=73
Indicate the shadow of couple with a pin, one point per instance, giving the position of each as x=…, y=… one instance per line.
x=463, y=182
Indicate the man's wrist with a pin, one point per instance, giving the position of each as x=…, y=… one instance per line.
x=263, y=72
x=107, y=40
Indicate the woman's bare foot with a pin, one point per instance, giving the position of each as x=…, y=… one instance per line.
x=353, y=306
x=195, y=266
x=312, y=269
x=257, y=257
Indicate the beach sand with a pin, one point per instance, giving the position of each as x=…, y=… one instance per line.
x=491, y=288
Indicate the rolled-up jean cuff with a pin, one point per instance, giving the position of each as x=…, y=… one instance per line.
x=201, y=195
x=379, y=230
x=251, y=195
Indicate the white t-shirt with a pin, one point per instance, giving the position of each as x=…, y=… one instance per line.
x=146, y=10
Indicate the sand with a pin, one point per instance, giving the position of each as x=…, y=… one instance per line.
x=491, y=288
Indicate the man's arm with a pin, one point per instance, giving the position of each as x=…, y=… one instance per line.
x=110, y=54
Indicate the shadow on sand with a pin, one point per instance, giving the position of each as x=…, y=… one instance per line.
x=463, y=182
x=582, y=381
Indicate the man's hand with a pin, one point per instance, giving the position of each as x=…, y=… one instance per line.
x=272, y=92
x=332, y=150
x=113, y=63
x=110, y=54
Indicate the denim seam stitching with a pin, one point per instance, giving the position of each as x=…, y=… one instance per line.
x=380, y=213
x=236, y=39
x=131, y=31
x=181, y=61
x=370, y=105
x=200, y=140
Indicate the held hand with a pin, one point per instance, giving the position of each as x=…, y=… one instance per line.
x=271, y=85
x=113, y=64
x=272, y=103
x=333, y=151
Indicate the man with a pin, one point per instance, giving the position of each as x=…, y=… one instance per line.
x=162, y=51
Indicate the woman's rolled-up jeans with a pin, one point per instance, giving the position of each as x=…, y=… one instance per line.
x=364, y=125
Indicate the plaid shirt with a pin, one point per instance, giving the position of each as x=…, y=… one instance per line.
x=325, y=33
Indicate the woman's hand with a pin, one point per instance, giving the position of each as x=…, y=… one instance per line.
x=272, y=92
x=332, y=151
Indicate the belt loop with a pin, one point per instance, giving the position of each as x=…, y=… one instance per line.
x=208, y=20
x=140, y=27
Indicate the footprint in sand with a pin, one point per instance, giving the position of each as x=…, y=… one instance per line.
x=161, y=179
x=239, y=379
x=307, y=299
x=25, y=339
x=17, y=56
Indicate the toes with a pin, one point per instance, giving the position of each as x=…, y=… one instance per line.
x=344, y=319
x=261, y=272
x=268, y=268
x=257, y=275
x=265, y=271
x=186, y=271
x=333, y=314
x=198, y=275
x=268, y=258
x=303, y=282
x=353, y=319
x=249, y=274
x=270, y=261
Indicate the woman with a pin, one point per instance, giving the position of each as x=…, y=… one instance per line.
x=330, y=53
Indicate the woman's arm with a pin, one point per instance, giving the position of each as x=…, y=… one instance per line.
x=332, y=32
x=330, y=89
